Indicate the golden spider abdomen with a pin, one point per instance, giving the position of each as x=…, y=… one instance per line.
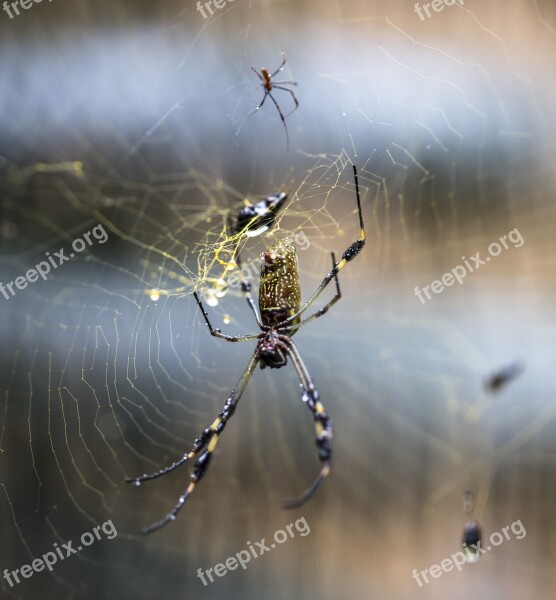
x=279, y=290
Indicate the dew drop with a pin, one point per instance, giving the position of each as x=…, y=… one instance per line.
x=221, y=288
x=211, y=298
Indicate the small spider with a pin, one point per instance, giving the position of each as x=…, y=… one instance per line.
x=268, y=85
x=279, y=318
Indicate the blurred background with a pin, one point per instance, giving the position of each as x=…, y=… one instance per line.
x=133, y=115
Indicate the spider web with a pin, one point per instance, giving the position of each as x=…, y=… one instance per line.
x=108, y=370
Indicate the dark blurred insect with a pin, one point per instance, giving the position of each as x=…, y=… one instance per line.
x=502, y=376
x=279, y=317
x=268, y=85
x=255, y=219
x=471, y=540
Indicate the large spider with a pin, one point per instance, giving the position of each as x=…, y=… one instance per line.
x=280, y=317
x=268, y=85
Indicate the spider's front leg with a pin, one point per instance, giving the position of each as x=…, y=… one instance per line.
x=217, y=333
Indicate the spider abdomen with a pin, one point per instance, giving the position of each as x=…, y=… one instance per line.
x=280, y=291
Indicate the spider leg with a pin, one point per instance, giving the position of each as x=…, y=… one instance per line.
x=283, y=120
x=257, y=74
x=281, y=82
x=217, y=332
x=246, y=289
x=280, y=67
x=349, y=254
x=199, y=443
x=323, y=424
x=209, y=436
x=278, y=87
x=325, y=308
x=258, y=107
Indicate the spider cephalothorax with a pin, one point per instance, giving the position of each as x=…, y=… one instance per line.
x=280, y=317
x=272, y=352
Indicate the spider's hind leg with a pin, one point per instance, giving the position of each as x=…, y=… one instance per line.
x=208, y=440
x=323, y=427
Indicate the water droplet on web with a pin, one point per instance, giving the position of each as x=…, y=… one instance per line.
x=154, y=295
x=226, y=319
x=211, y=298
x=220, y=288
